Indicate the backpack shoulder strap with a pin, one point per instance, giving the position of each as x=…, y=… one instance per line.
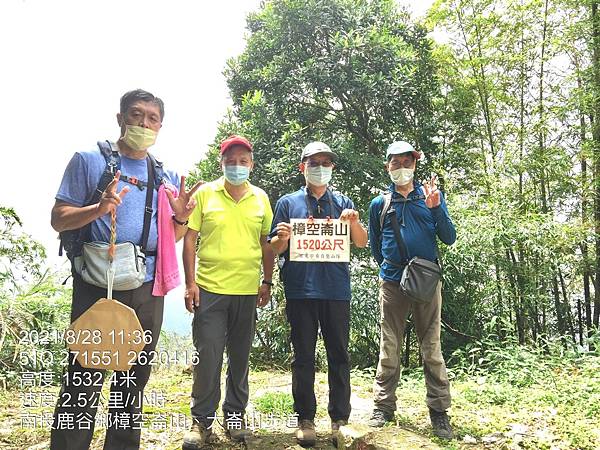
x=159, y=171
x=148, y=210
x=113, y=163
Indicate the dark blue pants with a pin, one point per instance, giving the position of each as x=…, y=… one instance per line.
x=333, y=317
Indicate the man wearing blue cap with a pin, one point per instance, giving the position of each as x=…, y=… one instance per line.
x=421, y=214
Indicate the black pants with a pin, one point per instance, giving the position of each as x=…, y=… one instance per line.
x=74, y=416
x=333, y=316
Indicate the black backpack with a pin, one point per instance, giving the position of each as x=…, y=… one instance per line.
x=72, y=240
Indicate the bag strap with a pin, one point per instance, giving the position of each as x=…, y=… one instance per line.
x=113, y=163
x=398, y=235
x=402, y=245
x=387, y=201
x=110, y=272
x=329, y=194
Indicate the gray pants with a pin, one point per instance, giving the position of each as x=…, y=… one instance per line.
x=222, y=321
x=427, y=319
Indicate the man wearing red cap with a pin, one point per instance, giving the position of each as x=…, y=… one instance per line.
x=233, y=219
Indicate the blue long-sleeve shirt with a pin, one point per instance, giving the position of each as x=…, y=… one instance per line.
x=419, y=226
x=312, y=280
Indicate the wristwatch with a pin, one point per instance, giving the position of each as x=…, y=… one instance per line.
x=267, y=282
x=178, y=222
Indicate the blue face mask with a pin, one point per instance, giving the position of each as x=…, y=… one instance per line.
x=236, y=175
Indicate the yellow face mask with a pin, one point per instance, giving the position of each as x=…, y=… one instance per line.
x=139, y=138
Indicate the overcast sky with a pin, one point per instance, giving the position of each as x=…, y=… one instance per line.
x=65, y=64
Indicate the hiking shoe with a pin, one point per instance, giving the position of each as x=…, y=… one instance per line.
x=197, y=437
x=235, y=427
x=305, y=434
x=335, y=430
x=441, y=424
x=379, y=418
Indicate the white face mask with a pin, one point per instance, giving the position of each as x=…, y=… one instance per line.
x=402, y=176
x=318, y=176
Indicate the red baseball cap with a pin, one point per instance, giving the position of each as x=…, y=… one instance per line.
x=235, y=140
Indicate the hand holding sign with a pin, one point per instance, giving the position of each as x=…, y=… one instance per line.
x=350, y=215
x=284, y=231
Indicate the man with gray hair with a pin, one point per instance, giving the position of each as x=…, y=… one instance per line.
x=119, y=177
x=404, y=223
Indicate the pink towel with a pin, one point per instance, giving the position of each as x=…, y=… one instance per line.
x=166, y=275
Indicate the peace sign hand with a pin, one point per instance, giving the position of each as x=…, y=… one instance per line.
x=184, y=204
x=110, y=198
x=432, y=193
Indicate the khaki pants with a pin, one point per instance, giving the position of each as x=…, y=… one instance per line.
x=427, y=318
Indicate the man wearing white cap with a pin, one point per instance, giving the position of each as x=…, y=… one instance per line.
x=317, y=293
x=415, y=214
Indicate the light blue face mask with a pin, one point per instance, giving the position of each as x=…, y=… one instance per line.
x=236, y=175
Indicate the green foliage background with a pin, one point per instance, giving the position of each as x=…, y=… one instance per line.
x=500, y=116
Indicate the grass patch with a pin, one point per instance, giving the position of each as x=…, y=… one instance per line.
x=280, y=404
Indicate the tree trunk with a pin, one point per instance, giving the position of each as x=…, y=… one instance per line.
x=520, y=296
x=560, y=320
x=579, y=322
x=587, y=298
x=566, y=306
x=499, y=303
x=596, y=153
x=518, y=301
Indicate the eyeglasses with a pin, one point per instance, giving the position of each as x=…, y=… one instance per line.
x=313, y=163
x=399, y=163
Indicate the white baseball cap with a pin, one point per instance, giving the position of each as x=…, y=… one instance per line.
x=400, y=147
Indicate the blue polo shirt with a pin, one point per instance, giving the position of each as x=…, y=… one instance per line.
x=308, y=280
x=79, y=181
x=419, y=226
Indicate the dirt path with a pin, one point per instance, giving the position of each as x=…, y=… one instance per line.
x=274, y=432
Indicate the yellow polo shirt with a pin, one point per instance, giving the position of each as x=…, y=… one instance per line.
x=229, y=253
